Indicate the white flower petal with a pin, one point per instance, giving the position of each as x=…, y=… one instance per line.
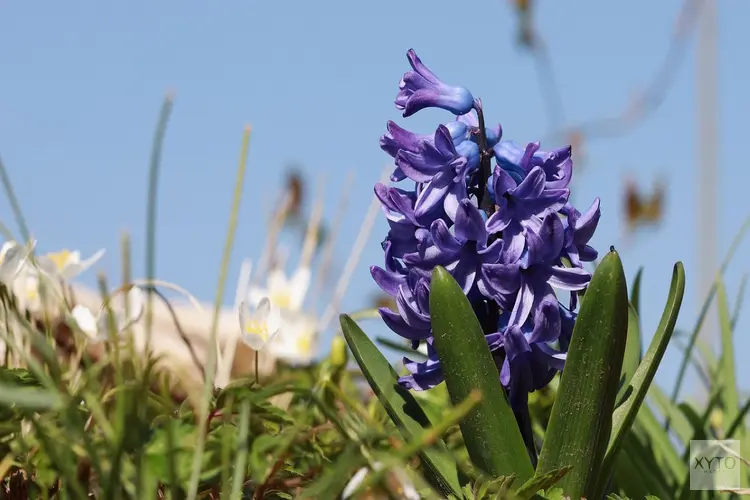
x=298, y=287
x=273, y=319
x=253, y=341
x=12, y=259
x=75, y=266
x=277, y=280
x=85, y=320
x=357, y=480
x=263, y=309
x=255, y=295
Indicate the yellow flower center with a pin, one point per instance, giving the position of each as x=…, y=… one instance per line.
x=304, y=344
x=258, y=328
x=282, y=299
x=60, y=259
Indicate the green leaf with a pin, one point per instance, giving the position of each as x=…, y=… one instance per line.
x=704, y=310
x=730, y=398
x=402, y=407
x=490, y=431
x=740, y=299
x=635, y=293
x=632, y=357
x=581, y=419
x=624, y=416
x=542, y=482
x=29, y=398
x=680, y=425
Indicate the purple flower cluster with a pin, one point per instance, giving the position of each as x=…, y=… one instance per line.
x=508, y=256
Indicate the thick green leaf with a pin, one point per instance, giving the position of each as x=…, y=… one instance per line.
x=635, y=292
x=624, y=416
x=581, y=419
x=490, y=431
x=632, y=357
x=404, y=410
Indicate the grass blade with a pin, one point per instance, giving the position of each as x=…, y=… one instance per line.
x=704, y=310
x=29, y=398
x=730, y=398
x=402, y=407
x=635, y=293
x=632, y=357
x=581, y=419
x=153, y=184
x=213, y=349
x=490, y=431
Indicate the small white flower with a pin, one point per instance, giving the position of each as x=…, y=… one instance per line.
x=13, y=258
x=408, y=490
x=66, y=265
x=296, y=343
x=283, y=292
x=96, y=326
x=260, y=326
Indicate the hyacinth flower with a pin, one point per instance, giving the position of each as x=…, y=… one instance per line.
x=441, y=168
x=506, y=256
x=482, y=236
x=471, y=120
x=520, y=280
x=125, y=314
x=396, y=139
x=462, y=252
x=420, y=89
x=517, y=161
x=579, y=229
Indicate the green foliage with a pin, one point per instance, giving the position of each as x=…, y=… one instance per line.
x=491, y=435
x=581, y=420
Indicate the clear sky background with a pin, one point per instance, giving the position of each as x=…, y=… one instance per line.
x=82, y=83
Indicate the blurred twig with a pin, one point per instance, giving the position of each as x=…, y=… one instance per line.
x=647, y=100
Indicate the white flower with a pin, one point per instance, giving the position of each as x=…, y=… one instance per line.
x=126, y=314
x=66, y=265
x=13, y=258
x=296, y=343
x=408, y=490
x=260, y=326
x=283, y=293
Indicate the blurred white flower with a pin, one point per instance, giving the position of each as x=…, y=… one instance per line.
x=408, y=491
x=283, y=292
x=259, y=326
x=296, y=343
x=125, y=313
x=13, y=258
x=66, y=265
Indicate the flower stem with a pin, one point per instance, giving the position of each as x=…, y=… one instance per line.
x=256, y=368
x=485, y=167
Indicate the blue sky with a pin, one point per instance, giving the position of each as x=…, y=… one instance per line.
x=83, y=81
